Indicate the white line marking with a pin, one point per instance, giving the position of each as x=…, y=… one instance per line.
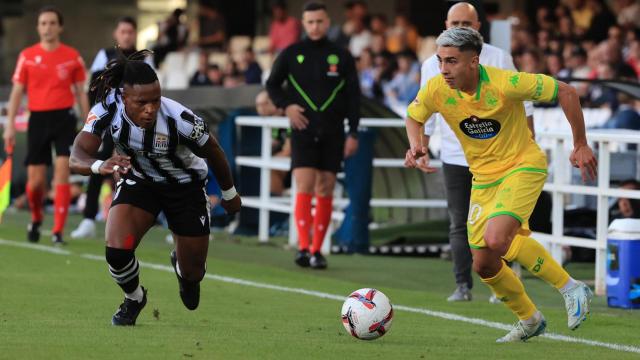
x=323, y=295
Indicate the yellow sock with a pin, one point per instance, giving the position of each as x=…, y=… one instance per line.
x=535, y=258
x=509, y=289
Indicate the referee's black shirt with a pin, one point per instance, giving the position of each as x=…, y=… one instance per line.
x=322, y=78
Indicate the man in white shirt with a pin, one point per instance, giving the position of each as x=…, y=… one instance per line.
x=456, y=170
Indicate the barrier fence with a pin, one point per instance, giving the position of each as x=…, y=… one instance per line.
x=559, y=183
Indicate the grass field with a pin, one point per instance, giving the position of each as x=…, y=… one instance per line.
x=59, y=306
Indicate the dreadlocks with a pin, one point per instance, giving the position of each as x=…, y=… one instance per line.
x=123, y=70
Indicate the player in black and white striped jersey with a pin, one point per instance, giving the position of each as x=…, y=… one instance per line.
x=163, y=150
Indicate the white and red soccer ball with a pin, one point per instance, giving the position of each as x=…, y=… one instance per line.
x=367, y=314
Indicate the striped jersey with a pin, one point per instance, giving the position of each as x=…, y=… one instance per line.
x=163, y=154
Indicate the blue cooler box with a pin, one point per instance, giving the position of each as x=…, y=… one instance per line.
x=623, y=264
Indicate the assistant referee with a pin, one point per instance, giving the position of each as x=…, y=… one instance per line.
x=49, y=70
x=322, y=90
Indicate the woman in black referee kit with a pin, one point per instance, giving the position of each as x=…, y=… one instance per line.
x=163, y=150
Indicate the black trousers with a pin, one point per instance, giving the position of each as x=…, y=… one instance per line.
x=457, y=180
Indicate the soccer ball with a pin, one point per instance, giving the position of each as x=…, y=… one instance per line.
x=367, y=314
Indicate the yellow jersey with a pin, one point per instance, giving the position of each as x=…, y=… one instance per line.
x=490, y=123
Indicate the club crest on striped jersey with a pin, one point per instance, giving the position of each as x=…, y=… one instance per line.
x=161, y=142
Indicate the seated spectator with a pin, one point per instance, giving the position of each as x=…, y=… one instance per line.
x=249, y=67
x=232, y=75
x=626, y=116
x=201, y=76
x=366, y=72
x=554, y=64
x=215, y=75
x=402, y=36
x=404, y=85
x=212, y=27
x=284, y=29
x=378, y=44
x=379, y=24
x=360, y=37
x=530, y=62
x=628, y=13
x=626, y=208
x=172, y=36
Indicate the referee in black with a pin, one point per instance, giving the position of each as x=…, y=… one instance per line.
x=322, y=90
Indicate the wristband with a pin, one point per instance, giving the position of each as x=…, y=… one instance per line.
x=95, y=167
x=229, y=194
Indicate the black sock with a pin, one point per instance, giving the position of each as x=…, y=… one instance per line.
x=124, y=268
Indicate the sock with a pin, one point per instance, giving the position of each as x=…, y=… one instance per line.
x=61, y=207
x=535, y=258
x=321, y=221
x=136, y=295
x=303, y=219
x=34, y=197
x=534, y=319
x=570, y=284
x=509, y=289
x=124, y=268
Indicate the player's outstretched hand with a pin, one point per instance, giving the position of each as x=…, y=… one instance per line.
x=423, y=164
x=412, y=156
x=117, y=165
x=232, y=206
x=582, y=157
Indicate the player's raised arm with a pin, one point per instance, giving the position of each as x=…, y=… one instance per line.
x=582, y=156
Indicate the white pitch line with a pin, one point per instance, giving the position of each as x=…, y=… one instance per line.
x=323, y=295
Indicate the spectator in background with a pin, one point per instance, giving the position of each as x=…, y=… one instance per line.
x=215, y=75
x=628, y=13
x=284, y=29
x=404, y=85
x=554, y=64
x=581, y=14
x=601, y=21
x=402, y=36
x=378, y=44
x=249, y=67
x=530, y=62
x=201, y=76
x=212, y=27
x=360, y=37
x=172, y=36
x=232, y=75
x=626, y=208
x=383, y=67
x=366, y=72
x=633, y=57
x=626, y=116
x=379, y=24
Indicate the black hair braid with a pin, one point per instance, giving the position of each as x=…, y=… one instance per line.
x=113, y=77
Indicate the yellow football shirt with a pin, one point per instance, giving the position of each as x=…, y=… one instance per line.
x=490, y=124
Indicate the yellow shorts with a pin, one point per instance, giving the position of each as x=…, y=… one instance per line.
x=515, y=194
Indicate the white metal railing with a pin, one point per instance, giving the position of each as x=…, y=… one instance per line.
x=558, y=142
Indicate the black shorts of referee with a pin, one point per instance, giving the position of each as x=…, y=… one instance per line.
x=316, y=149
x=47, y=128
